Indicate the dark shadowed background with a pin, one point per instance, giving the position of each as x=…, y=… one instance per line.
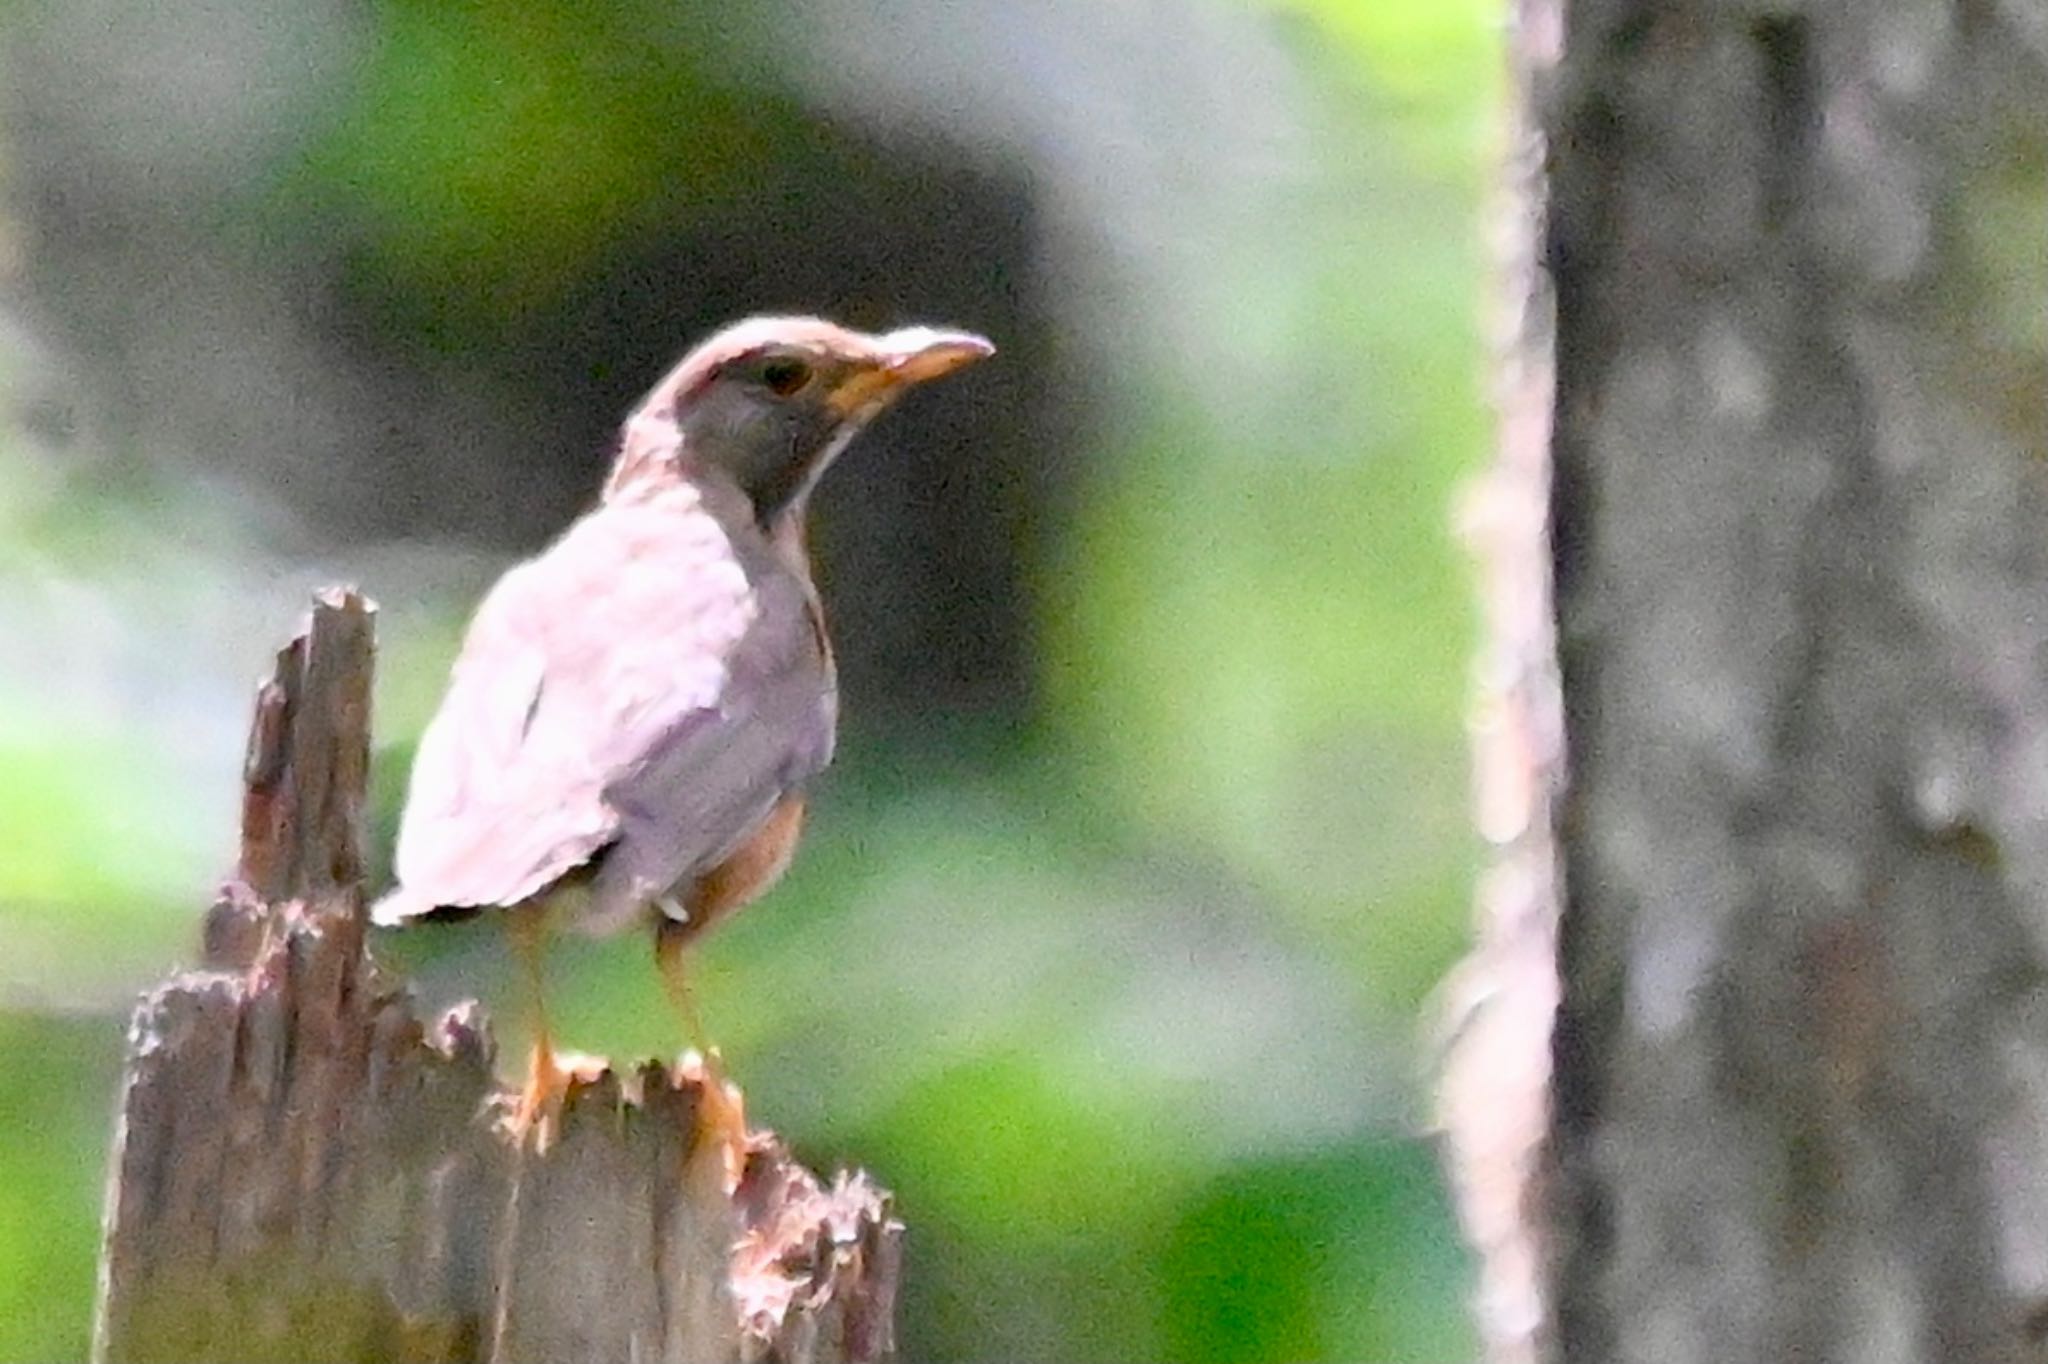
x=1148, y=837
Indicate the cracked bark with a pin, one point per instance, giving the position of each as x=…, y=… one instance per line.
x=1792, y=902
x=306, y=1171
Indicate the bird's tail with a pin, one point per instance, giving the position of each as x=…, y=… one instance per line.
x=399, y=905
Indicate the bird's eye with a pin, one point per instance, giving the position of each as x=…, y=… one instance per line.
x=783, y=375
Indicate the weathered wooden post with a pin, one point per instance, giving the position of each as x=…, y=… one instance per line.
x=307, y=1171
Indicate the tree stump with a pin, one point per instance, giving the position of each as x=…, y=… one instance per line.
x=306, y=1170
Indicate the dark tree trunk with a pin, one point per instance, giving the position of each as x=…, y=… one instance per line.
x=1797, y=1101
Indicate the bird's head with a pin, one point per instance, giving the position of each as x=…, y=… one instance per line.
x=768, y=402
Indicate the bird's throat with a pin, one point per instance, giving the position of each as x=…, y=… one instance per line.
x=783, y=489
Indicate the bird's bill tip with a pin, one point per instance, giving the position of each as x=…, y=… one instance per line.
x=915, y=354
x=896, y=360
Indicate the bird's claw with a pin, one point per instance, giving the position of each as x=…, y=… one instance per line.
x=537, y=1115
x=721, y=1113
x=539, y=1108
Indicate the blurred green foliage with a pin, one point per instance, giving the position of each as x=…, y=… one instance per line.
x=1122, y=1008
x=58, y=1077
x=491, y=152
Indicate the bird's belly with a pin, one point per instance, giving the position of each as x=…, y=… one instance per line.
x=749, y=873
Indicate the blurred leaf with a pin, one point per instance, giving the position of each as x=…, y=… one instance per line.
x=95, y=858
x=1271, y=661
x=494, y=150
x=1426, y=49
x=56, y=1077
x=1339, y=1257
x=1440, y=61
x=1075, y=1187
x=1015, y=1140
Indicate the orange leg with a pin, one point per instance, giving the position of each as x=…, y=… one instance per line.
x=733, y=883
x=545, y=1080
x=757, y=865
x=722, y=1115
x=671, y=946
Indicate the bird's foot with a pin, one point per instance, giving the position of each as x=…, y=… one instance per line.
x=721, y=1108
x=539, y=1109
x=721, y=1113
x=536, y=1116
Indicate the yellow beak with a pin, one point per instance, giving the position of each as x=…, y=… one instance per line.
x=916, y=354
x=905, y=357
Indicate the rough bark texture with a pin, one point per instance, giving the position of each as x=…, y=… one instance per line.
x=1799, y=1100
x=1493, y=1102
x=305, y=1171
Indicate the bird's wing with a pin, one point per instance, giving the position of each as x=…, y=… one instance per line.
x=579, y=665
x=705, y=786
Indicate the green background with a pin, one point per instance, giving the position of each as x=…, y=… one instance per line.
x=1119, y=986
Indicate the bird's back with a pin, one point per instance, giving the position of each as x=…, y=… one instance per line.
x=641, y=695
